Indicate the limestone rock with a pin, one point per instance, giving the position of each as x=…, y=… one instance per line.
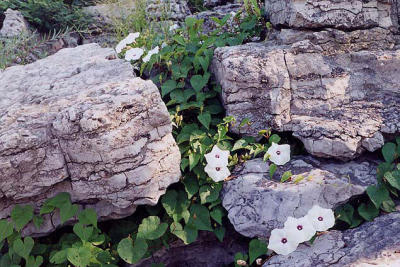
x=331, y=101
x=372, y=244
x=256, y=204
x=14, y=24
x=157, y=9
x=79, y=122
x=339, y=14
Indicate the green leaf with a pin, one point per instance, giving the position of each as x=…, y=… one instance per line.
x=368, y=212
x=68, y=211
x=24, y=248
x=38, y=221
x=393, y=178
x=132, y=253
x=345, y=213
x=6, y=229
x=274, y=139
x=56, y=202
x=209, y=193
x=389, y=152
x=79, y=257
x=377, y=194
x=168, y=87
x=198, y=82
x=194, y=159
x=217, y=214
x=191, y=186
x=256, y=249
x=205, y=119
x=239, y=144
x=272, y=170
x=151, y=229
x=34, y=262
x=88, y=217
x=176, y=205
x=220, y=233
x=21, y=216
x=200, y=217
x=240, y=256
x=59, y=257
x=388, y=205
x=187, y=234
x=286, y=176
x=83, y=232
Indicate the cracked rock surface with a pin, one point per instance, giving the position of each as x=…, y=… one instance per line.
x=256, y=204
x=372, y=244
x=79, y=122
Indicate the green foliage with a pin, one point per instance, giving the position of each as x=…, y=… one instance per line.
x=48, y=15
x=380, y=195
x=256, y=249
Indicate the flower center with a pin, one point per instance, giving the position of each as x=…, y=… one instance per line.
x=299, y=227
x=284, y=240
x=217, y=156
x=218, y=169
x=278, y=152
x=320, y=219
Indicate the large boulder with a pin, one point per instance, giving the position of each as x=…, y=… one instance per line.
x=372, y=244
x=340, y=14
x=79, y=122
x=257, y=204
x=14, y=24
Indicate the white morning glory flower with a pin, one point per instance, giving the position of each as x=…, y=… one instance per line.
x=173, y=27
x=133, y=54
x=217, y=157
x=127, y=40
x=279, y=154
x=282, y=242
x=218, y=174
x=322, y=219
x=300, y=229
x=153, y=51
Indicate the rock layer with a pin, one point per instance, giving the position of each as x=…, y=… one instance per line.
x=79, y=122
x=256, y=204
x=334, y=103
x=372, y=244
x=14, y=24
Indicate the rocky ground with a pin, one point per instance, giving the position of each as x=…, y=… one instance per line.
x=328, y=74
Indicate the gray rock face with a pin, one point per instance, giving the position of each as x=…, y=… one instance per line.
x=331, y=102
x=256, y=204
x=340, y=14
x=157, y=9
x=79, y=122
x=372, y=244
x=14, y=24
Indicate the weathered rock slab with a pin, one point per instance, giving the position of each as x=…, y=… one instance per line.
x=372, y=244
x=256, y=204
x=14, y=24
x=333, y=102
x=79, y=122
x=339, y=14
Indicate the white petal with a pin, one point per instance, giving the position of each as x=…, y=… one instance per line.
x=279, y=158
x=217, y=157
x=217, y=173
x=305, y=233
x=327, y=215
x=131, y=37
x=147, y=58
x=173, y=27
x=275, y=242
x=133, y=54
x=120, y=46
x=164, y=44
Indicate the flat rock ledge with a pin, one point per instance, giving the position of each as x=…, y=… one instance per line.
x=257, y=204
x=80, y=122
x=372, y=244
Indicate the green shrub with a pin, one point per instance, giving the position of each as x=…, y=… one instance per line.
x=48, y=15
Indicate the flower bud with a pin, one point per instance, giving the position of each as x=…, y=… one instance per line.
x=241, y=263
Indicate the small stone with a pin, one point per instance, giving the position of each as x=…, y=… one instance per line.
x=14, y=24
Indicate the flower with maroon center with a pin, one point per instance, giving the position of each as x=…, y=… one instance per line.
x=279, y=154
x=218, y=174
x=322, y=219
x=282, y=242
x=300, y=229
x=217, y=157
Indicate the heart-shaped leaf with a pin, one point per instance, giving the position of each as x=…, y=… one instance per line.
x=83, y=232
x=151, y=229
x=132, y=253
x=176, y=204
x=23, y=248
x=200, y=217
x=256, y=249
x=88, y=216
x=80, y=256
x=377, y=194
x=368, y=212
x=6, y=229
x=68, y=211
x=187, y=234
x=21, y=216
